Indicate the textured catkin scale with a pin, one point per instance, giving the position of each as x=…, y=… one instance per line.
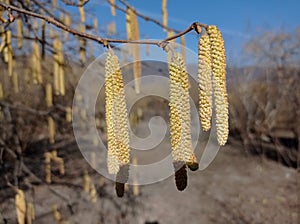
x=20, y=204
x=205, y=82
x=219, y=82
x=180, y=175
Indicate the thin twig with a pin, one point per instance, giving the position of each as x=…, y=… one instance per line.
x=71, y=3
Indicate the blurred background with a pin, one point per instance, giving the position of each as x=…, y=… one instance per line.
x=254, y=177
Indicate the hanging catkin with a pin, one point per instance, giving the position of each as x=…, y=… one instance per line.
x=180, y=111
x=219, y=82
x=164, y=13
x=116, y=116
x=58, y=69
x=20, y=33
x=36, y=63
x=111, y=28
x=1, y=92
x=132, y=29
x=30, y=215
x=81, y=11
x=20, y=204
x=49, y=97
x=183, y=50
x=82, y=45
x=205, y=82
x=15, y=81
x=112, y=7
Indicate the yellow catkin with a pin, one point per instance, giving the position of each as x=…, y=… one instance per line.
x=54, y=3
x=180, y=111
x=164, y=13
x=219, y=82
x=81, y=12
x=56, y=214
x=58, y=68
x=15, y=81
x=9, y=50
x=112, y=7
x=93, y=193
x=30, y=214
x=49, y=97
x=60, y=162
x=20, y=33
x=111, y=28
x=20, y=204
x=82, y=45
x=48, y=158
x=205, y=82
x=183, y=50
x=1, y=92
x=95, y=25
x=86, y=182
x=116, y=116
x=51, y=130
x=36, y=63
x=132, y=29
x=68, y=114
x=136, y=187
x=67, y=21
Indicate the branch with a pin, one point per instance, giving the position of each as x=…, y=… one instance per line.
x=100, y=40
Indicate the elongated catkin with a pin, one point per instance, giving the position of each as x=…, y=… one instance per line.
x=205, y=82
x=116, y=116
x=180, y=113
x=20, y=204
x=219, y=82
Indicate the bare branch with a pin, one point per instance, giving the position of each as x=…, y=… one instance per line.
x=71, y=3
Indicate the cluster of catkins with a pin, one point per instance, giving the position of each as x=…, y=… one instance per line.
x=212, y=88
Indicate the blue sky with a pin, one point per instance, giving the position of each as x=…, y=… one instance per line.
x=238, y=20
